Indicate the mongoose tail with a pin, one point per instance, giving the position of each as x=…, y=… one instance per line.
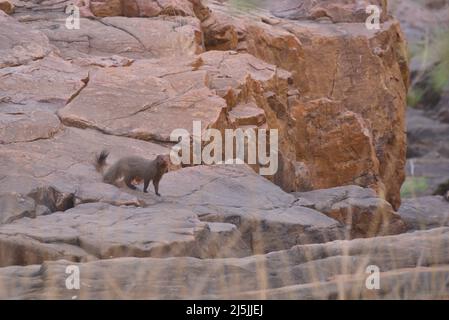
x=100, y=161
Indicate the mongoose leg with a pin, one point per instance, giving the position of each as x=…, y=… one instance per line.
x=156, y=187
x=146, y=184
x=128, y=181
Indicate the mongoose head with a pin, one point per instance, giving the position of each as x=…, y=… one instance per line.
x=161, y=161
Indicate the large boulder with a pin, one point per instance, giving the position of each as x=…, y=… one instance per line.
x=359, y=209
x=320, y=58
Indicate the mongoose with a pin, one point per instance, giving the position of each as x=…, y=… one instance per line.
x=133, y=169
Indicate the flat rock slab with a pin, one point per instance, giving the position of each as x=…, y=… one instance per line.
x=102, y=231
x=135, y=38
x=19, y=44
x=244, y=214
x=49, y=80
x=360, y=209
x=409, y=269
x=142, y=101
x=424, y=213
x=66, y=162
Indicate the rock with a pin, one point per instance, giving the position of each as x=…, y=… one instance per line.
x=315, y=77
x=65, y=162
x=182, y=35
x=104, y=62
x=268, y=218
x=18, y=124
x=235, y=223
x=101, y=231
x=133, y=38
x=15, y=206
x=154, y=100
x=344, y=11
x=425, y=212
x=426, y=136
x=336, y=270
x=101, y=192
x=140, y=8
x=332, y=139
x=310, y=51
x=50, y=80
x=20, y=45
x=359, y=209
x=52, y=198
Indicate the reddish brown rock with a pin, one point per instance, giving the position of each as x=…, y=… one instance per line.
x=7, y=6
x=336, y=11
x=141, y=8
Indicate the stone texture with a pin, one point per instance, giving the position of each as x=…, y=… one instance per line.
x=19, y=44
x=425, y=212
x=335, y=91
x=50, y=80
x=336, y=11
x=321, y=60
x=409, y=265
x=359, y=209
x=140, y=8
x=261, y=220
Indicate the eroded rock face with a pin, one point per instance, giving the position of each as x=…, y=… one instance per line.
x=336, y=11
x=425, y=212
x=335, y=270
x=19, y=44
x=322, y=61
x=335, y=92
x=141, y=8
x=359, y=209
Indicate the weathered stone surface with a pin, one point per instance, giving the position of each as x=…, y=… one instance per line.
x=49, y=80
x=336, y=11
x=19, y=44
x=332, y=139
x=141, y=8
x=21, y=124
x=145, y=101
x=102, y=231
x=15, y=206
x=133, y=38
x=382, y=106
x=426, y=136
x=409, y=265
x=362, y=212
x=65, y=161
x=264, y=218
x=7, y=6
x=321, y=59
x=425, y=212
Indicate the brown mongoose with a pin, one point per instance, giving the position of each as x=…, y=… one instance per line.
x=133, y=169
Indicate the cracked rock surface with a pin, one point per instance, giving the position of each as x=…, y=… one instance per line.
x=135, y=71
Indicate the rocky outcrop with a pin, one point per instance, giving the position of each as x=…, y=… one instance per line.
x=334, y=91
x=321, y=59
x=344, y=11
x=425, y=212
x=359, y=209
x=409, y=267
